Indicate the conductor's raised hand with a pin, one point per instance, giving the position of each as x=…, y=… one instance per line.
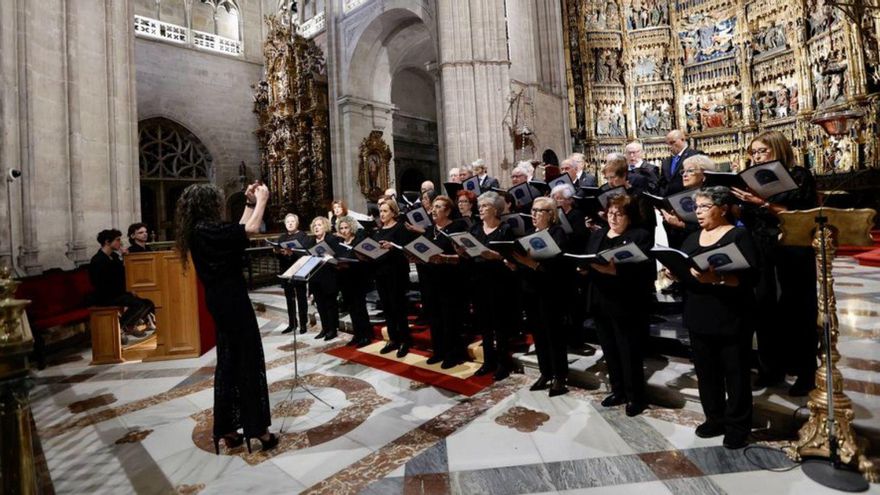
x=261, y=192
x=249, y=193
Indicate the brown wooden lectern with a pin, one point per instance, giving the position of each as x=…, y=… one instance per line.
x=160, y=277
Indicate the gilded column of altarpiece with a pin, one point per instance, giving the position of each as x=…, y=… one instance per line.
x=724, y=70
x=294, y=137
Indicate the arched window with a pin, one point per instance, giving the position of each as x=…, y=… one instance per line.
x=170, y=159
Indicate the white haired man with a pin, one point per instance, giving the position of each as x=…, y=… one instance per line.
x=635, y=160
x=583, y=177
x=487, y=183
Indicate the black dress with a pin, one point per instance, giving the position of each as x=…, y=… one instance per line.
x=491, y=282
x=621, y=305
x=392, y=279
x=295, y=293
x=786, y=290
x=241, y=397
x=720, y=319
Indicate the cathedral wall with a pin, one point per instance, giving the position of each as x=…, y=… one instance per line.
x=208, y=94
x=68, y=122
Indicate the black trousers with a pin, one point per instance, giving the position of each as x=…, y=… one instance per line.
x=622, y=335
x=445, y=311
x=353, y=285
x=492, y=313
x=328, y=311
x=296, y=294
x=724, y=380
x=391, y=285
x=136, y=308
x=787, y=312
x=798, y=309
x=544, y=315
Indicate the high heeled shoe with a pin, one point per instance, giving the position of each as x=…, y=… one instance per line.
x=230, y=440
x=268, y=444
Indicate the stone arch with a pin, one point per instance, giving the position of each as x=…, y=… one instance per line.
x=382, y=43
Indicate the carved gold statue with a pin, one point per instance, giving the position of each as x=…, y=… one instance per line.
x=291, y=103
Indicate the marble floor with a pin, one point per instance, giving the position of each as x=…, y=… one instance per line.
x=143, y=427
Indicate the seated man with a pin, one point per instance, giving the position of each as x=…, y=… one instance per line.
x=107, y=275
x=137, y=238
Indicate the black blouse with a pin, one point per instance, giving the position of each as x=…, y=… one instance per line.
x=632, y=279
x=284, y=260
x=763, y=224
x=218, y=252
x=433, y=234
x=394, y=259
x=721, y=309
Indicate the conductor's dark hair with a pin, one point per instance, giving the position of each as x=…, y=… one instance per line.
x=108, y=235
x=135, y=227
x=198, y=203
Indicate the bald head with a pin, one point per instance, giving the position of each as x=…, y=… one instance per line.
x=677, y=141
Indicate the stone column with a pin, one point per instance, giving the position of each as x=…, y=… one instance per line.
x=474, y=68
x=68, y=107
x=357, y=118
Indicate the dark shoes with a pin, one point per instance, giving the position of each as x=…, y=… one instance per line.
x=265, y=443
x=230, y=440
x=635, y=408
x=436, y=358
x=764, y=381
x=451, y=363
x=403, y=350
x=330, y=336
x=288, y=329
x=501, y=373
x=543, y=383
x=710, y=430
x=802, y=386
x=485, y=369
x=321, y=335
x=390, y=346
x=736, y=440
x=557, y=387
x=613, y=400
x=363, y=342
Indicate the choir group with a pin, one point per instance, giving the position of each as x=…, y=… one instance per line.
x=543, y=255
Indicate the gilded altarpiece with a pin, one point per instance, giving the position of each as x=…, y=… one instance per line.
x=293, y=132
x=724, y=70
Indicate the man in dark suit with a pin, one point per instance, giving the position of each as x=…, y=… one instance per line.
x=583, y=178
x=486, y=182
x=638, y=167
x=670, y=171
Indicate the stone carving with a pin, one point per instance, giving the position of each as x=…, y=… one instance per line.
x=781, y=101
x=291, y=104
x=610, y=121
x=706, y=38
x=603, y=15
x=374, y=158
x=770, y=40
x=607, y=68
x=821, y=17
x=829, y=78
x=642, y=14
x=654, y=118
